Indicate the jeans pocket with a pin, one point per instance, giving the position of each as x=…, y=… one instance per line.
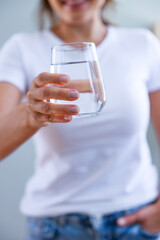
x=41, y=228
x=147, y=234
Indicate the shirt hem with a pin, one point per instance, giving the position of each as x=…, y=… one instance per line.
x=97, y=209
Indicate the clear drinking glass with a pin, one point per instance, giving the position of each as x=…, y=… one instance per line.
x=79, y=61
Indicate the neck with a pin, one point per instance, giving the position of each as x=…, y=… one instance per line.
x=93, y=31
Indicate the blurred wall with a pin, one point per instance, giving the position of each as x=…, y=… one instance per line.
x=20, y=15
x=136, y=13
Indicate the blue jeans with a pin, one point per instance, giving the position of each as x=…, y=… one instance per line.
x=83, y=227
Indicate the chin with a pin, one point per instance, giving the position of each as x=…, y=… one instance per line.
x=78, y=21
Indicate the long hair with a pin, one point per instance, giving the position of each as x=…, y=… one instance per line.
x=46, y=11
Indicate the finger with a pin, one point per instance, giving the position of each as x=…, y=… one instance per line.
x=46, y=119
x=51, y=78
x=128, y=220
x=80, y=85
x=147, y=211
x=138, y=216
x=59, y=119
x=53, y=93
x=50, y=108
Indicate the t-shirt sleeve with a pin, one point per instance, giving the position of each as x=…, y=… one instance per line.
x=11, y=64
x=153, y=55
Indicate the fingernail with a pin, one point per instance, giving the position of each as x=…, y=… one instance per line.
x=66, y=118
x=73, y=109
x=121, y=221
x=64, y=79
x=47, y=124
x=73, y=94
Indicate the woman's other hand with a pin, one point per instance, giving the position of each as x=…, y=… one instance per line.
x=48, y=86
x=148, y=217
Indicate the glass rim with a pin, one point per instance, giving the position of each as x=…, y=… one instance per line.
x=73, y=43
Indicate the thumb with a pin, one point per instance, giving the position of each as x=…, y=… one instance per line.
x=138, y=216
x=127, y=220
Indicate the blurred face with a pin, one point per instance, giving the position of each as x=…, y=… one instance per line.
x=77, y=11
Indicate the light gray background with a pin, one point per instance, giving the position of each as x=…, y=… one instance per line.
x=20, y=15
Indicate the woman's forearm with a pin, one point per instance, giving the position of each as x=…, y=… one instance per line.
x=15, y=129
x=19, y=124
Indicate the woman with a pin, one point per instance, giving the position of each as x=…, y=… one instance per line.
x=94, y=178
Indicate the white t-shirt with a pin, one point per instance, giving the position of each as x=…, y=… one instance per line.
x=97, y=165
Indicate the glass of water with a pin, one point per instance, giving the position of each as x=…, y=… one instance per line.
x=79, y=61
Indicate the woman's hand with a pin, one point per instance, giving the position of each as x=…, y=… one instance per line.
x=42, y=112
x=148, y=217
